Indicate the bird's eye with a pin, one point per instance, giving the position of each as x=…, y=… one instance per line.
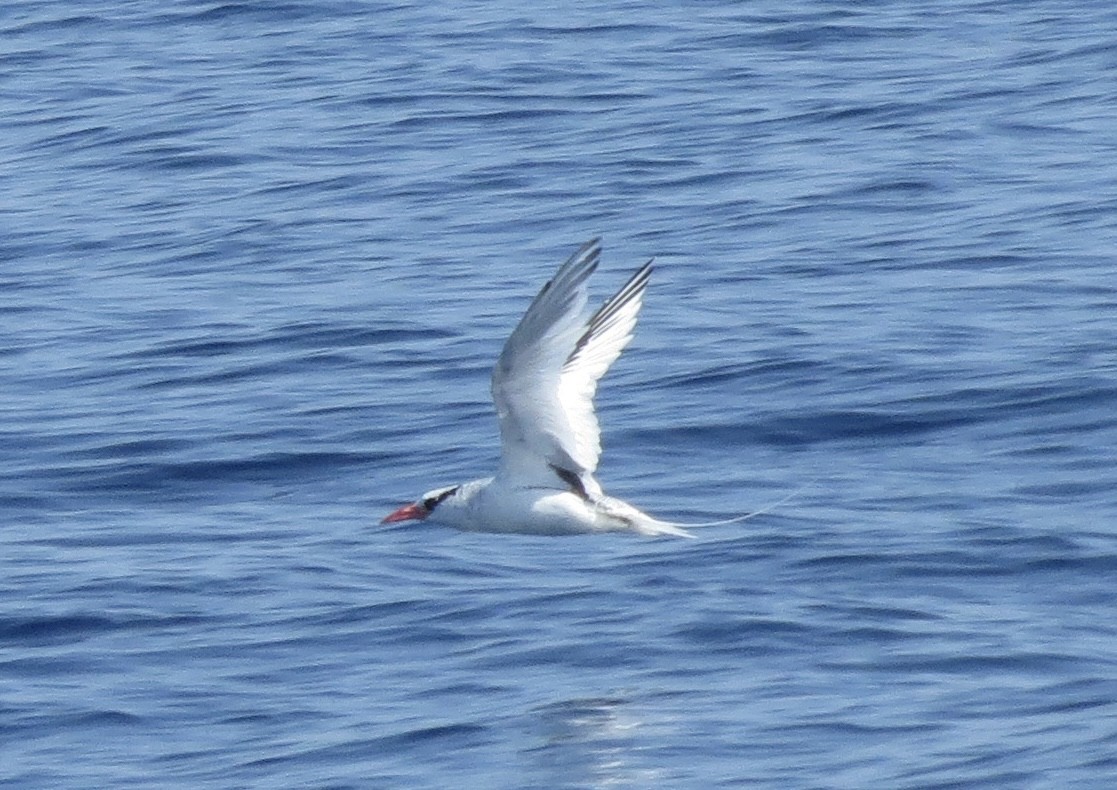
x=431, y=502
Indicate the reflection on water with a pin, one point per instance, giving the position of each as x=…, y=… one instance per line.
x=590, y=742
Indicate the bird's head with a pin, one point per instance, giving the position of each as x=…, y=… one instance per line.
x=421, y=508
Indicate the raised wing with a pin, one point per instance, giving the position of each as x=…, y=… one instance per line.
x=546, y=377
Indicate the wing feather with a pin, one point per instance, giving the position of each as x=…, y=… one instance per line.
x=546, y=377
x=606, y=335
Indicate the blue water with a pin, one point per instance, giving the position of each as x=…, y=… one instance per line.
x=256, y=260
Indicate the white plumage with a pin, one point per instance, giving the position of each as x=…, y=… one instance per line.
x=543, y=386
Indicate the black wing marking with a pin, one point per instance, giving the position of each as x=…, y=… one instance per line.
x=572, y=480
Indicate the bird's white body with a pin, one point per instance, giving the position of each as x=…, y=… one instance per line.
x=493, y=505
x=543, y=386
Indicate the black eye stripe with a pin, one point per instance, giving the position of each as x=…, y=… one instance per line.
x=445, y=494
x=430, y=503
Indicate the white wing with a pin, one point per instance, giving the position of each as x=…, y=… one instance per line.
x=545, y=379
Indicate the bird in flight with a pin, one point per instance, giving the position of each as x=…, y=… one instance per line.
x=543, y=386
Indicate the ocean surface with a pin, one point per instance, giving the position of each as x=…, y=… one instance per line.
x=257, y=259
